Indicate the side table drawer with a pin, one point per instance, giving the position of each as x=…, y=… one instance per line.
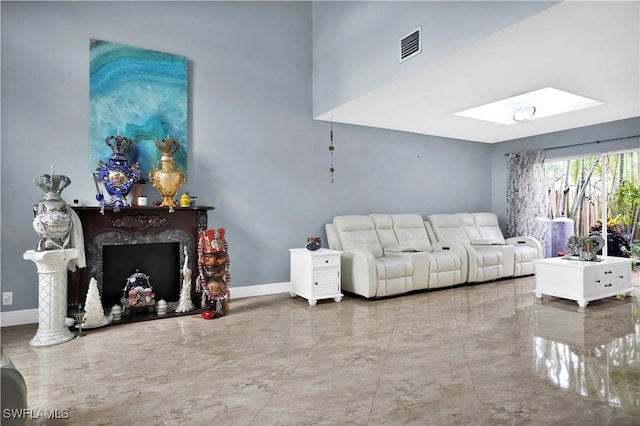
x=326, y=261
x=604, y=280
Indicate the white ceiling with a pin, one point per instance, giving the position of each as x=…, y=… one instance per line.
x=591, y=49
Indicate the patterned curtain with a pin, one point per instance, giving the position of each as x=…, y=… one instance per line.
x=525, y=195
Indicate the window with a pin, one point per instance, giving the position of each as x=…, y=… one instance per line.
x=585, y=189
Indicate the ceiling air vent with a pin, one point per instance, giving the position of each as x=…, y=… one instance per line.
x=410, y=45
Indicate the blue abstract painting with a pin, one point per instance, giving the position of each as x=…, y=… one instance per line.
x=140, y=93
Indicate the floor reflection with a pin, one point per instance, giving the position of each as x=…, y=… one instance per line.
x=595, y=353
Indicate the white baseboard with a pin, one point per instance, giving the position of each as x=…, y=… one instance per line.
x=259, y=290
x=25, y=316
x=30, y=316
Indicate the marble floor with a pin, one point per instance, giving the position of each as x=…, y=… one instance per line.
x=486, y=354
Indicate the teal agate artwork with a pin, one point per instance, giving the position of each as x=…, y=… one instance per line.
x=140, y=94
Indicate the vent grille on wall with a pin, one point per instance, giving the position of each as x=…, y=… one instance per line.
x=410, y=45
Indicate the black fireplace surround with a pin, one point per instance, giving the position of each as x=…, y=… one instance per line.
x=142, y=234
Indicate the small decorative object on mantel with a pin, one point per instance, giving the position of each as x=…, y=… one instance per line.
x=185, y=200
x=52, y=219
x=314, y=243
x=213, y=265
x=167, y=180
x=185, y=304
x=94, y=313
x=117, y=175
x=137, y=193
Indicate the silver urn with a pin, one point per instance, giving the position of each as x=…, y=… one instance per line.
x=51, y=215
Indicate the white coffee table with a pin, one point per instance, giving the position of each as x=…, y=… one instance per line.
x=583, y=281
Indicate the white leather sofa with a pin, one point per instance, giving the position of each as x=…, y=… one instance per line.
x=486, y=262
x=525, y=249
x=446, y=263
x=491, y=256
x=391, y=254
x=386, y=255
x=366, y=269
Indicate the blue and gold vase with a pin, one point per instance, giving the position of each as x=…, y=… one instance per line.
x=117, y=174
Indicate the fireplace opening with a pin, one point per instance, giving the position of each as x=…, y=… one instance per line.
x=160, y=261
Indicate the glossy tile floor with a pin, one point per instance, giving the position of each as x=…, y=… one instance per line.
x=486, y=354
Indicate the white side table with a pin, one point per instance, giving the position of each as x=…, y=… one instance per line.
x=315, y=274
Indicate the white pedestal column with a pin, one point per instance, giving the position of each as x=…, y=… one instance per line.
x=52, y=295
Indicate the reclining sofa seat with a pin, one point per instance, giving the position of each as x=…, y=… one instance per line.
x=366, y=269
x=525, y=249
x=478, y=240
x=442, y=265
x=486, y=262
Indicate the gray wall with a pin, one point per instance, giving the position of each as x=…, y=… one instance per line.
x=356, y=44
x=255, y=152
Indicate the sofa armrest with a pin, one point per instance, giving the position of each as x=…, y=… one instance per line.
x=399, y=248
x=358, y=272
x=449, y=246
x=472, y=261
x=488, y=242
x=333, y=240
x=527, y=241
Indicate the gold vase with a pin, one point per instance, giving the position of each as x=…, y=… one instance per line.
x=167, y=180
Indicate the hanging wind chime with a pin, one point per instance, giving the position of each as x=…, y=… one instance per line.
x=331, y=149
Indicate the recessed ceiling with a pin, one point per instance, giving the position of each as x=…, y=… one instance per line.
x=590, y=49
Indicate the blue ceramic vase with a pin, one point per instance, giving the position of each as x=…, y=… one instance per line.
x=117, y=175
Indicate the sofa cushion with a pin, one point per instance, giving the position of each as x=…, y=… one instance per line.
x=393, y=267
x=357, y=231
x=410, y=232
x=525, y=254
x=384, y=228
x=488, y=256
x=469, y=226
x=392, y=247
x=488, y=227
x=447, y=227
x=443, y=261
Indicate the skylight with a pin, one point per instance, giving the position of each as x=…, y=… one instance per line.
x=529, y=106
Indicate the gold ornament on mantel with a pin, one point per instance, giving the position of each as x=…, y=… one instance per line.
x=167, y=180
x=331, y=149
